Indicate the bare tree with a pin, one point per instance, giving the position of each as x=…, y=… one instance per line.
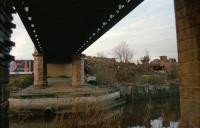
x=146, y=58
x=123, y=52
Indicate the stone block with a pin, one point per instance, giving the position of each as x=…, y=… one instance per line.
x=57, y=70
x=77, y=71
x=189, y=33
x=189, y=55
x=188, y=93
x=190, y=68
x=193, y=81
x=189, y=44
x=40, y=78
x=190, y=114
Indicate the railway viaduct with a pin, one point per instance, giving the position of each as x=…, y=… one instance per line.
x=62, y=29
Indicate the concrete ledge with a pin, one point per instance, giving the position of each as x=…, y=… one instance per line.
x=42, y=103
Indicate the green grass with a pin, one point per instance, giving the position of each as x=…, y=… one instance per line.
x=20, y=81
x=89, y=85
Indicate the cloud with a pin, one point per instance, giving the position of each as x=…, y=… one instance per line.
x=150, y=26
x=24, y=46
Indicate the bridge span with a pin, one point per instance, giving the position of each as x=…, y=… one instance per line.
x=61, y=30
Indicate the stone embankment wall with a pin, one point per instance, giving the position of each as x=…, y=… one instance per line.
x=43, y=103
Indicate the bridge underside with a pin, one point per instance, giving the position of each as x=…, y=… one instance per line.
x=62, y=28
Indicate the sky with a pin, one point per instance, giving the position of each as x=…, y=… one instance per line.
x=150, y=27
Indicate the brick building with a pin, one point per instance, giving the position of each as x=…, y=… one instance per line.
x=164, y=64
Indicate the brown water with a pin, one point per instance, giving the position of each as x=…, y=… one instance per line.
x=133, y=113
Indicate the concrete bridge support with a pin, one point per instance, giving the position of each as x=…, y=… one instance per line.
x=77, y=70
x=188, y=34
x=40, y=71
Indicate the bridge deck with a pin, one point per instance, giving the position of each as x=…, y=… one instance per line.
x=62, y=28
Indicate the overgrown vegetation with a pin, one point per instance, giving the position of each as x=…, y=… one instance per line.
x=104, y=74
x=128, y=72
x=154, y=79
x=18, y=82
x=80, y=115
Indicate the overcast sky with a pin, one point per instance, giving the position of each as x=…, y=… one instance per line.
x=150, y=27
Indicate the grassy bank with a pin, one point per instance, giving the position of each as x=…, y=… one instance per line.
x=18, y=82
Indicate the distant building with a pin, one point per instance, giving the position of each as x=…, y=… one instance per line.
x=21, y=67
x=164, y=64
x=92, y=61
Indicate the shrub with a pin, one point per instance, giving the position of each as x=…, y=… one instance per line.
x=26, y=82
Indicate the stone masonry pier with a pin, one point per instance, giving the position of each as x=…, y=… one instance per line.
x=188, y=35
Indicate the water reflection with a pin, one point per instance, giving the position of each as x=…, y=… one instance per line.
x=134, y=113
x=141, y=112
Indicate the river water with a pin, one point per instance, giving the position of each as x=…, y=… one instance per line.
x=142, y=112
x=134, y=114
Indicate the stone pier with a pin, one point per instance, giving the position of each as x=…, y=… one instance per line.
x=188, y=35
x=77, y=70
x=40, y=71
x=6, y=45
